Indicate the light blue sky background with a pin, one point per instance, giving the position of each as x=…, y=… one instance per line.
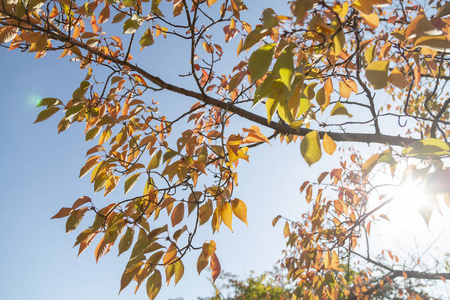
x=40, y=174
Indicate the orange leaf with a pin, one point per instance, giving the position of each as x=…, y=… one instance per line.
x=215, y=267
x=170, y=255
x=177, y=214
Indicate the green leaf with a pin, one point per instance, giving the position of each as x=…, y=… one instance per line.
x=260, y=61
x=47, y=113
x=271, y=107
x=49, y=102
x=155, y=161
x=284, y=67
x=91, y=134
x=129, y=3
x=340, y=109
x=131, y=181
x=154, y=285
x=377, y=74
x=74, y=220
x=73, y=110
x=126, y=241
x=310, y=148
x=131, y=25
x=179, y=270
x=254, y=37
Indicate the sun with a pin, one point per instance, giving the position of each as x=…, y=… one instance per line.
x=411, y=201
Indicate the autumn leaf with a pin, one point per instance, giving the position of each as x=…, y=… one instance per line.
x=377, y=74
x=310, y=148
x=153, y=286
x=177, y=214
x=329, y=146
x=215, y=267
x=131, y=182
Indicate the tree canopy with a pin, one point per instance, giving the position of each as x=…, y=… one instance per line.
x=329, y=77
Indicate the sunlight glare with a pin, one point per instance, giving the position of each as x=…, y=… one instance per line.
x=409, y=199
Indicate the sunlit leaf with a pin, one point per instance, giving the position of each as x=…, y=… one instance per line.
x=240, y=210
x=226, y=214
x=284, y=67
x=310, y=148
x=329, y=146
x=147, y=38
x=260, y=61
x=427, y=147
x=340, y=109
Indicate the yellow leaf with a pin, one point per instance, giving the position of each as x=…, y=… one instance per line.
x=334, y=264
x=340, y=109
x=369, y=54
x=179, y=270
x=344, y=90
x=286, y=230
x=339, y=37
x=377, y=74
x=155, y=161
x=239, y=210
x=364, y=6
x=284, y=67
x=427, y=147
x=131, y=181
x=329, y=146
x=371, y=19
x=310, y=148
x=369, y=165
x=210, y=2
x=89, y=165
x=271, y=107
x=216, y=220
x=208, y=48
x=226, y=214
x=326, y=260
